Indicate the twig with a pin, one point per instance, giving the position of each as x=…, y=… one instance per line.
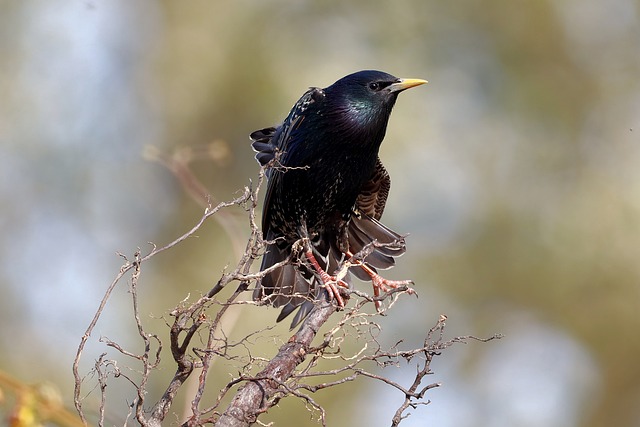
x=126, y=268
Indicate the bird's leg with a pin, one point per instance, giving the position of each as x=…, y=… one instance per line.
x=380, y=283
x=330, y=282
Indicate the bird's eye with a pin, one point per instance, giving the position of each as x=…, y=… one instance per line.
x=374, y=86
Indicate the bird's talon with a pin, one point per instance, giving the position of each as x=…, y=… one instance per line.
x=331, y=285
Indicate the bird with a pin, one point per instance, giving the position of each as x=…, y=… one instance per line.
x=326, y=192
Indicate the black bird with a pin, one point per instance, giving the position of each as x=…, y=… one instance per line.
x=326, y=191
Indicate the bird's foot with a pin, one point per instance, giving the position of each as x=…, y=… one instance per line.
x=333, y=288
x=331, y=283
x=385, y=285
x=382, y=284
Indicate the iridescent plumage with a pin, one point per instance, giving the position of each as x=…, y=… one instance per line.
x=326, y=184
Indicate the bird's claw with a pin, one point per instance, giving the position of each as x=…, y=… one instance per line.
x=333, y=289
x=331, y=283
x=386, y=285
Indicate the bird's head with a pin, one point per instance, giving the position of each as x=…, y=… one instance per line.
x=365, y=99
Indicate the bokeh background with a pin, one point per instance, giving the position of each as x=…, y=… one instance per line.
x=516, y=170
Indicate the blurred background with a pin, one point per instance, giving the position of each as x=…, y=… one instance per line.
x=516, y=171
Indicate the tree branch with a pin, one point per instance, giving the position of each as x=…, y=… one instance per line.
x=256, y=396
x=279, y=377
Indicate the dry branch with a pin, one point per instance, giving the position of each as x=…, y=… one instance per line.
x=286, y=374
x=256, y=396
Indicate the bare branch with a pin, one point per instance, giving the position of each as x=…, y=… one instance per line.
x=288, y=373
x=256, y=396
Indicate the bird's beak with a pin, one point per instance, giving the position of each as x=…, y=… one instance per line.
x=403, y=84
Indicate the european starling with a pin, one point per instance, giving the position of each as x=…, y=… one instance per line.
x=326, y=191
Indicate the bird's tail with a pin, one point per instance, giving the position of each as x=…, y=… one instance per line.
x=288, y=286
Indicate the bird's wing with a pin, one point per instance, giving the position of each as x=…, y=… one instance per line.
x=269, y=142
x=288, y=286
x=261, y=143
x=365, y=226
x=373, y=196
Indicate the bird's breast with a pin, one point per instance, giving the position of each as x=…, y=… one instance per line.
x=324, y=188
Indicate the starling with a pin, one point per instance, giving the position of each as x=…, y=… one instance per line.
x=326, y=192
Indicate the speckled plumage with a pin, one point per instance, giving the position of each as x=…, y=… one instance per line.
x=326, y=183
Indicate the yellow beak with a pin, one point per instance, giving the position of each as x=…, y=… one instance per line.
x=403, y=84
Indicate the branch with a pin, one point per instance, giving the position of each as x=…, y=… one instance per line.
x=279, y=377
x=256, y=396
x=184, y=366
